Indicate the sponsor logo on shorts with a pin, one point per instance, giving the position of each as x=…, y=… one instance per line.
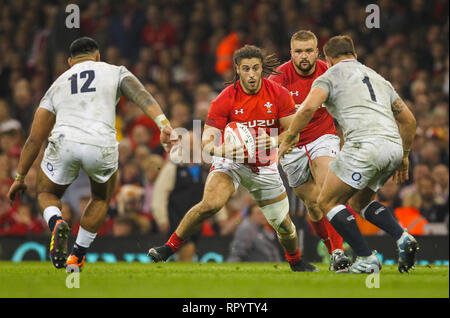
x=356, y=176
x=50, y=168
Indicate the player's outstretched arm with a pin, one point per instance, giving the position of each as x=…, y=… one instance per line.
x=133, y=89
x=407, y=128
x=43, y=123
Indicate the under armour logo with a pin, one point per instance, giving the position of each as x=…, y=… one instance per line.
x=294, y=93
x=268, y=105
x=239, y=111
x=379, y=210
x=351, y=217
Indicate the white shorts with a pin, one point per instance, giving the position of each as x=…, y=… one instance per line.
x=263, y=183
x=367, y=164
x=63, y=159
x=296, y=164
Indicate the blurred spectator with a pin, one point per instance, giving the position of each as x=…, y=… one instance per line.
x=23, y=222
x=151, y=166
x=388, y=194
x=430, y=209
x=180, y=115
x=22, y=107
x=129, y=204
x=177, y=189
x=131, y=174
x=158, y=33
x=419, y=171
x=11, y=137
x=441, y=176
x=182, y=51
x=226, y=48
x=254, y=240
x=124, y=226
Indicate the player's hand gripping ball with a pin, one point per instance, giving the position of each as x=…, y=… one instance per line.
x=237, y=134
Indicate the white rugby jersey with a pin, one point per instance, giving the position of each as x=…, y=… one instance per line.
x=360, y=100
x=84, y=101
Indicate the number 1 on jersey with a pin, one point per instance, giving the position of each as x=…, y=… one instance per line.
x=369, y=86
x=85, y=88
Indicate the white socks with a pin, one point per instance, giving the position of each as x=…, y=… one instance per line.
x=51, y=211
x=85, y=238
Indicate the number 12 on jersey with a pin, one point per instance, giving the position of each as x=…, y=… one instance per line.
x=369, y=86
x=86, y=86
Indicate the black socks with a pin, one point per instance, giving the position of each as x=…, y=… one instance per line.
x=345, y=224
x=379, y=215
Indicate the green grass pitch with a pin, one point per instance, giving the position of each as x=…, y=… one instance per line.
x=211, y=280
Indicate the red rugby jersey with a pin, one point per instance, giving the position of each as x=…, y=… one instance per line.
x=260, y=110
x=299, y=86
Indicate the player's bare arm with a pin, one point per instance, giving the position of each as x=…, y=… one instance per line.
x=133, y=89
x=304, y=114
x=407, y=128
x=40, y=129
x=210, y=144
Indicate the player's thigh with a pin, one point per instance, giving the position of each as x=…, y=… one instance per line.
x=45, y=185
x=263, y=183
x=322, y=151
x=361, y=199
x=60, y=163
x=219, y=187
x=296, y=167
x=319, y=169
x=334, y=192
x=308, y=191
x=103, y=191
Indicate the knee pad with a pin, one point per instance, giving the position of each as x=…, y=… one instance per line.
x=275, y=213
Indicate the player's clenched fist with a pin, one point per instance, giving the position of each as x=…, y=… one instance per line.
x=165, y=138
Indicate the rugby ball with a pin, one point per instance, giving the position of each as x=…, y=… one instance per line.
x=237, y=134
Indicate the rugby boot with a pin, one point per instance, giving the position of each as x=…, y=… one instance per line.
x=302, y=266
x=407, y=249
x=58, y=244
x=366, y=264
x=160, y=254
x=74, y=263
x=339, y=262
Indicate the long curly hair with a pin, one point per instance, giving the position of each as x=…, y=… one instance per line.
x=269, y=62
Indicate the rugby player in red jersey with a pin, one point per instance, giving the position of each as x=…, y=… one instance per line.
x=307, y=165
x=262, y=105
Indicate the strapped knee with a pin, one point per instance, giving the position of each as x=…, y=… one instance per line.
x=275, y=214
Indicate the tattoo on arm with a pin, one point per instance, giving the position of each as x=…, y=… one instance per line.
x=398, y=106
x=132, y=88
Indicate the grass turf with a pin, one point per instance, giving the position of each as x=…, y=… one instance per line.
x=211, y=280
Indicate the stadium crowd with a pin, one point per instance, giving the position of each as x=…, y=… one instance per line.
x=181, y=51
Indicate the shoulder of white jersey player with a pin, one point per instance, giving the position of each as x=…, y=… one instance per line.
x=322, y=65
